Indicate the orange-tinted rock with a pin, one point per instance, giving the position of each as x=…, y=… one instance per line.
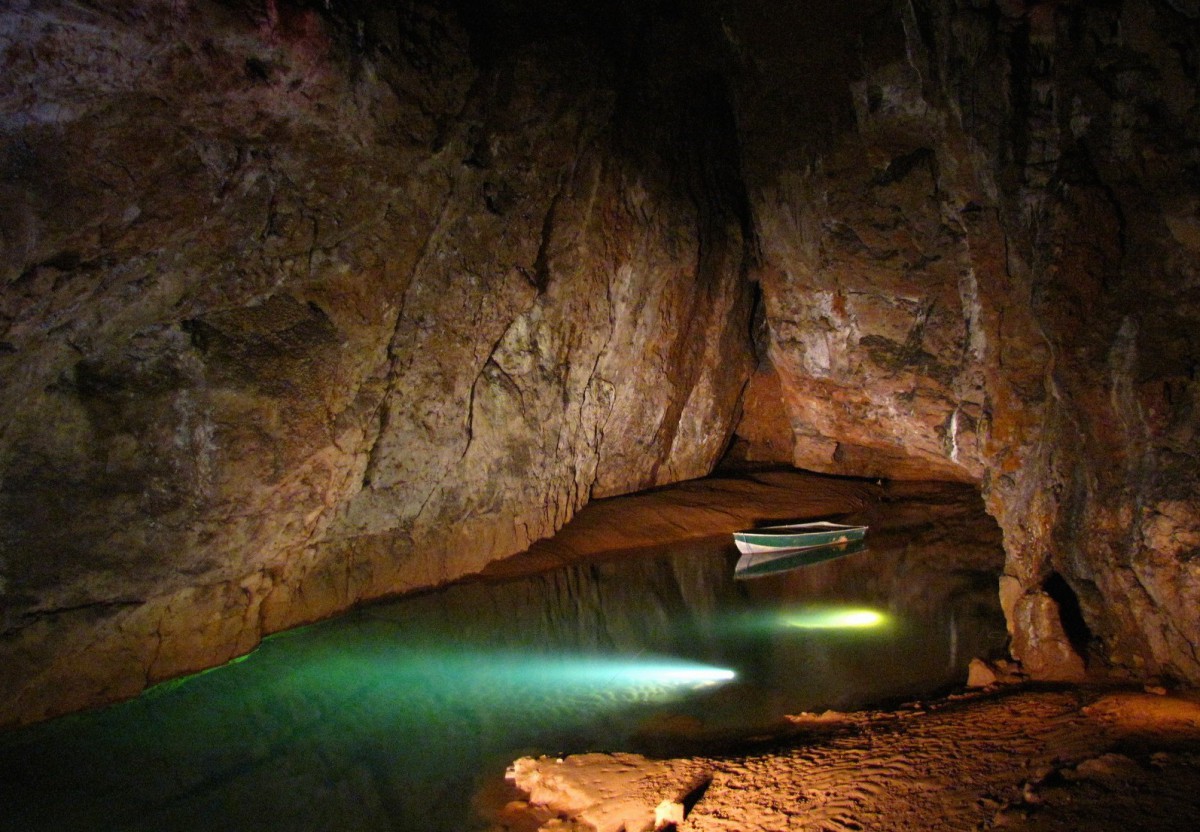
x=765, y=433
x=977, y=264
x=302, y=308
x=1038, y=636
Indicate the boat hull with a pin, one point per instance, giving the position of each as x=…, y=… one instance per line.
x=795, y=537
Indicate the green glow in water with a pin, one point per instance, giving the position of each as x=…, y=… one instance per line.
x=173, y=684
x=482, y=674
x=836, y=618
x=668, y=676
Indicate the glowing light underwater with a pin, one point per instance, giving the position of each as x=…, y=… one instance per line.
x=661, y=673
x=836, y=618
x=504, y=673
x=607, y=672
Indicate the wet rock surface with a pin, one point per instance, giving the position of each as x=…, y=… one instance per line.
x=1014, y=759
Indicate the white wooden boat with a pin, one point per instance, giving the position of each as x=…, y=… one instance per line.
x=777, y=539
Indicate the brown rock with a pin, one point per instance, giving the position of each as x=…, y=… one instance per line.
x=295, y=314
x=977, y=264
x=1040, y=641
x=980, y=674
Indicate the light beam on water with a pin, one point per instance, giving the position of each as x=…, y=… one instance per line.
x=836, y=618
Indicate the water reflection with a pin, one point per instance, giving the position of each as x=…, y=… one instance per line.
x=387, y=718
x=770, y=563
x=834, y=618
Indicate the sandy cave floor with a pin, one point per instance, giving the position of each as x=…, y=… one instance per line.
x=1010, y=758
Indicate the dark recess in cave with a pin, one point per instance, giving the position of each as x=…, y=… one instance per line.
x=1070, y=611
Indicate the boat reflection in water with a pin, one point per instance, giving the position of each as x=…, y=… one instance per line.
x=760, y=564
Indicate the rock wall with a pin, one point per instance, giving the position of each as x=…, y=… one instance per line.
x=303, y=303
x=979, y=262
x=307, y=303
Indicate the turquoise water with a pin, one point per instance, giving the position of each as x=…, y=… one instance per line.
x=394, y=717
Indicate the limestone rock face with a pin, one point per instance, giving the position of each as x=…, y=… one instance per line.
x=978, y=262
x=304, y=303
x=874, y=314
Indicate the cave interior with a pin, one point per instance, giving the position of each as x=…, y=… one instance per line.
x=310, y=305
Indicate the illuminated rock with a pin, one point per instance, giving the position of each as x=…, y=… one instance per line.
x=980, y=674
x=976, y=264
x=299, y=309
x=304, y=304
x=608, y=792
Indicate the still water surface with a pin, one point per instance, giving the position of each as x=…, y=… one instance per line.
x=392, y=717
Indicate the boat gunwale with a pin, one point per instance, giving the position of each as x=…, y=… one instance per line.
x=797, y=530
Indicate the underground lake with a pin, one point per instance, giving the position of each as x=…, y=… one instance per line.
x=400, y=715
